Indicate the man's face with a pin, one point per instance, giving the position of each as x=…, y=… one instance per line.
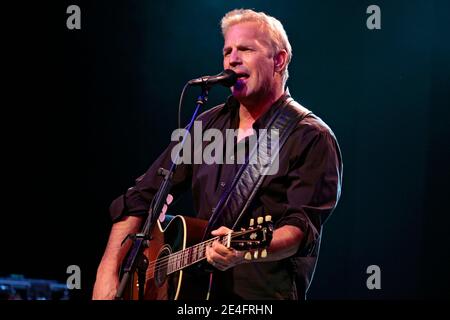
x=248, y=54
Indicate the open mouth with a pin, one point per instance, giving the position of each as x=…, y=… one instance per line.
x=241, y=80
x=242, y=75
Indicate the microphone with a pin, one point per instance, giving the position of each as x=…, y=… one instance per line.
x=226, y=78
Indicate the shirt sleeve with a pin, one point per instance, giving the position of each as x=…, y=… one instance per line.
x=315, y=185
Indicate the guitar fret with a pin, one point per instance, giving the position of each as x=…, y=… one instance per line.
x=174, y=263
x=190, y=258
x=169, y=264
x=181, y=258
x=185, y=258
x=178, y=260
x=203, y=249
x=194, y=253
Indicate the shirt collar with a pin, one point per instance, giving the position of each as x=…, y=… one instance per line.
x=232, y=105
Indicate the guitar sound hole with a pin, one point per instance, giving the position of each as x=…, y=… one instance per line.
x=161, y=266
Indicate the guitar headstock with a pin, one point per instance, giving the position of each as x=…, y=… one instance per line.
x=254, y=239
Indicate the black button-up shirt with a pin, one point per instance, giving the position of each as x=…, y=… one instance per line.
x=303, y=193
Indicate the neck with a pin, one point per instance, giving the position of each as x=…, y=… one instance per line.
x=250, y=112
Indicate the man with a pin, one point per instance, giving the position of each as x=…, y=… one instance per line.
x=300, y=196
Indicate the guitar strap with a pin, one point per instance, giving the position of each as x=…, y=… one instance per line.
x=237, y=198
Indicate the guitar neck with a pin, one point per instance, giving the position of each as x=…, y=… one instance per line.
x=186, y=257
x=252, y=238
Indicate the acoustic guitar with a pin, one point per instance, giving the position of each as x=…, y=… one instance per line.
x=173, y=268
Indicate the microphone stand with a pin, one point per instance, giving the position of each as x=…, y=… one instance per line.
x=136, y=260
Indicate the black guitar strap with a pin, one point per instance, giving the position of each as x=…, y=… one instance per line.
x=237, y=198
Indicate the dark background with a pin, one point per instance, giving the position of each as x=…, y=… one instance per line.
x=87, y=111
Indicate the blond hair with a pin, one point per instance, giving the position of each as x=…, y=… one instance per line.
x=277, y=35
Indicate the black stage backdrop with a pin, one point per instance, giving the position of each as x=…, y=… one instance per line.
x=87, y=111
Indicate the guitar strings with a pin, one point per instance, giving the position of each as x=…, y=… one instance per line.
x=179, y=256
x=185, y=254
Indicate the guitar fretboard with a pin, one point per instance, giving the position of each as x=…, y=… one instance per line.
x=191, y=255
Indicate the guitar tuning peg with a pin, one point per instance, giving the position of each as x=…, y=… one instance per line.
x=268, y=218
x=260, y=220
x=255, y=254
x=248, y=256
x=264, y=253
x=252, y=222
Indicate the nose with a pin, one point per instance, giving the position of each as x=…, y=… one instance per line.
x=234, y=58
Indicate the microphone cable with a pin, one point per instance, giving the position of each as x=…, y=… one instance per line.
x=180, y=103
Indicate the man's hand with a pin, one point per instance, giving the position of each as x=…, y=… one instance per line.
x=169, y=200
x=285, y=243
x=220, y=256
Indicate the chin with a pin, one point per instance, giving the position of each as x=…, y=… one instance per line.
x=241, y=89
x=239, y=92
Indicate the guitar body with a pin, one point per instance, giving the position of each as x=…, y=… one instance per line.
x=187, y=284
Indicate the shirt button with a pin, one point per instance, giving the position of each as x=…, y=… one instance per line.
x=222, y=184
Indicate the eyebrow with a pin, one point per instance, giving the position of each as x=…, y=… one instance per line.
x=241, y=46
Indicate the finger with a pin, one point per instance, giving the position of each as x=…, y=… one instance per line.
x=209, y=256
x=169, y=199
x=162, y=215
x=219, y=260
x=221, y=249
x=221, y=231
x=213, y=255
x=238, y=254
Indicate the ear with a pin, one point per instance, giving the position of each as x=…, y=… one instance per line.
x=280, y=60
